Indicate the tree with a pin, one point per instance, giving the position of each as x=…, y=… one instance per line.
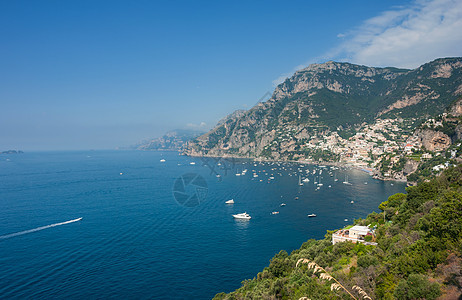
x=417, y=286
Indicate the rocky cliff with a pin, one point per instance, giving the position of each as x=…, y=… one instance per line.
x=331, y=97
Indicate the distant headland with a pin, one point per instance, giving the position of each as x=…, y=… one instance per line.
x=12, y=152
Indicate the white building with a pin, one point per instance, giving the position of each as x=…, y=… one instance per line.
x=354, y=234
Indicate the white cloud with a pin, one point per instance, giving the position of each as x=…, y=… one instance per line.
x=406, y=36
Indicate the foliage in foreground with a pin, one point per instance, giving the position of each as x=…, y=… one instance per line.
x=418, y=256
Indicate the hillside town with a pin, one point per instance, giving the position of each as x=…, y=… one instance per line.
x=387, y=146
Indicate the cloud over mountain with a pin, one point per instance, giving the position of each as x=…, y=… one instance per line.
x=406, y=36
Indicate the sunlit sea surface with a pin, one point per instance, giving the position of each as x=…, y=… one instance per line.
x=160, y=229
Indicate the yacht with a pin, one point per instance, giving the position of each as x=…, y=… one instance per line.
x=311, y=215
x=283, y=204
x=274, y=212
x=192, y=163
x=346, y=180
x=244, y=215
x=230, y=201
x=162, y=160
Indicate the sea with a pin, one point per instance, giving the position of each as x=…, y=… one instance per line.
x=154, y=225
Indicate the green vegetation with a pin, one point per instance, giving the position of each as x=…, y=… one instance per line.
x=418, y=256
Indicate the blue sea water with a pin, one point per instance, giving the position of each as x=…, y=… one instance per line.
x=160, y=230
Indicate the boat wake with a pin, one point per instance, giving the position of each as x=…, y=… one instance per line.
x=7, y=236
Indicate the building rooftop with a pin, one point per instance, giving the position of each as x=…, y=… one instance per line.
x=360, y=229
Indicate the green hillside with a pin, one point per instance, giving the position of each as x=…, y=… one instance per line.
x=418, y=256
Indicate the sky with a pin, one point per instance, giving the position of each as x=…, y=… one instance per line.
x=104, y=74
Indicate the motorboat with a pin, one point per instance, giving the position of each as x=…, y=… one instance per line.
x=311, y=215
x=243, y=215
x=230, y=201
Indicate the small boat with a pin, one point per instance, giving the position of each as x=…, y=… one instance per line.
x=230, y=201
x=283, y=204
x=192, y=163
x=346, y=220
x=346, y=180
x=244, y=216
x=306, y=180
x=300, y=181
x=162, y=160
x=274, y=212
x=352, y=202
x=311, y=215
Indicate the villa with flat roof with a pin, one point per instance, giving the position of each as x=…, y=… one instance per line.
x=355, y=234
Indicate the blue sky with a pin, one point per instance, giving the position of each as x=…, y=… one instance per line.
x=102, y=74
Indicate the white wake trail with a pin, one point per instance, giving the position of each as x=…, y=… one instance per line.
x=37, y=229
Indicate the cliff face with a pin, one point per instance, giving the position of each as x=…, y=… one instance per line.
x=434, y=140
x=331, y=97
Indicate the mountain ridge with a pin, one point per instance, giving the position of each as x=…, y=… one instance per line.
x=332, y=98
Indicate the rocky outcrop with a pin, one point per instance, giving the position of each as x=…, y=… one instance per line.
x=456, y=109
x=433, y=140
x=410, y=167
x=458, y=133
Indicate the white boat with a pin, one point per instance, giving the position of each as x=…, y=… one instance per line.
x=244, y=216
x=300, y=181
x=230, y=201
x=352, y=202
x=306, y=180
x=192, y=163
x=346, y=180
x=283, y=204
x=162, y=160
x=274, y=212
x=311, y=215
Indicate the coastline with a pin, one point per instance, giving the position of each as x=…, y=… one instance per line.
x=374, y=173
